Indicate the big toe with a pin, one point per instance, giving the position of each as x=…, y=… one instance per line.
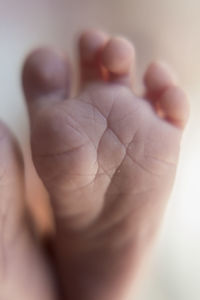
x=46, y=78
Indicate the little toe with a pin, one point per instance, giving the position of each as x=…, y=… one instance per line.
x=174, y=105
x=157, y=78
x=91, y=43
x=118, y=57
x=46, y=78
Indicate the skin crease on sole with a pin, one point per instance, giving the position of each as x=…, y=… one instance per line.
x=107, y=158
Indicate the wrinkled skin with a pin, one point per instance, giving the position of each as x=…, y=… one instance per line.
x=108, y=160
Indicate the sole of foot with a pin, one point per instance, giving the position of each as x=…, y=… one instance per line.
x=107, y=157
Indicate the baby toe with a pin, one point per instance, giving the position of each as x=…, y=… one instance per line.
x=175, y=106
x=118, y=57
x=91, y=43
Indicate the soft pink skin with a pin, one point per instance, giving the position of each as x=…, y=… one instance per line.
x=107, y=158
x=24, y=273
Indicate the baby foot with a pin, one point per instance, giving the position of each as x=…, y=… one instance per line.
x=107, y=157
x=23, y=272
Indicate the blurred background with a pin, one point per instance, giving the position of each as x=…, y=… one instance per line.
x=166, y=30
